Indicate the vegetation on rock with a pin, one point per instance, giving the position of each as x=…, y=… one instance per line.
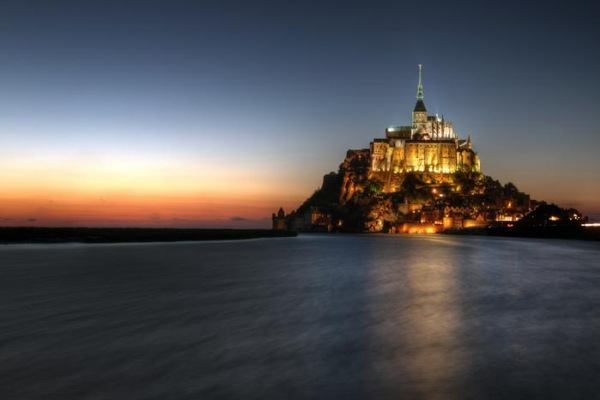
x=357, y=200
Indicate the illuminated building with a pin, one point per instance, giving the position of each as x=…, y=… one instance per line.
x=428, y=145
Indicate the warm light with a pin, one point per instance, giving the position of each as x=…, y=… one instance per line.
x=554, y=218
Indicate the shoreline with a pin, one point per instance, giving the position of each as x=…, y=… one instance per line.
x=33, y=235
x=43, y=235
x=542, y=232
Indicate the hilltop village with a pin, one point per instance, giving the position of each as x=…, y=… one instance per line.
x=419, y=178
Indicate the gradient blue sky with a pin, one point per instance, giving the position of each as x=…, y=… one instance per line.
x=213, y=104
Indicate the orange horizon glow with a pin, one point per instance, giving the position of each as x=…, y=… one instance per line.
x=140, y=195
x=142, y=211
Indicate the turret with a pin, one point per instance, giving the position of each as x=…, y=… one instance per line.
x=279, y=220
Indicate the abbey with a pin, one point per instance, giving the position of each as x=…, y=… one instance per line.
x=419, y=177
x=429, y=144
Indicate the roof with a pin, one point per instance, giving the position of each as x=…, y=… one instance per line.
x=431, y=141
x=420, y=106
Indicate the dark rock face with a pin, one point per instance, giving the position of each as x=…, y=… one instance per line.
x=354, y=172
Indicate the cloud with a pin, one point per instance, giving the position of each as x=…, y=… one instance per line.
x=238, y=219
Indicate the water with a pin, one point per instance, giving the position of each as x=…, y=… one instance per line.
x=325, y=317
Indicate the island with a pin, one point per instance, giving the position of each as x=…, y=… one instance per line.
x=424, y=178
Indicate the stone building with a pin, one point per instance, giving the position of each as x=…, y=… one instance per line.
x=428, y=145
x=279, y=220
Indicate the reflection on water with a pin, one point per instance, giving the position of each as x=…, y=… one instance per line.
x=334, y=317
x=434, y=318
x=416, y=304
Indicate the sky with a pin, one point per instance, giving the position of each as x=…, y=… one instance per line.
x=216, y=113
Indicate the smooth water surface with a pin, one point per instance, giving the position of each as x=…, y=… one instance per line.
x=325, y=317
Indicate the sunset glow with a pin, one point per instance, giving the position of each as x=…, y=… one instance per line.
x=134, y=193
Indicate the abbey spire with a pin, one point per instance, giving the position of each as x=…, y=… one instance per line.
x=420, y=85
x=420, y=112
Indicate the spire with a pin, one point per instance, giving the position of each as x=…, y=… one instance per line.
x=420, y=86
x=420, y=106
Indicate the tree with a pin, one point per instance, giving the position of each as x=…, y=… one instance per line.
x=510, y=190
x=464, y=181
x=373, y=187
x=411, y=183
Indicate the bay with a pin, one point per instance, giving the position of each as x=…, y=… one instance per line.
x=317, y=316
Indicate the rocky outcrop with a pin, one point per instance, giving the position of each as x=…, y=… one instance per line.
x=354, y=172
x=358, y=199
